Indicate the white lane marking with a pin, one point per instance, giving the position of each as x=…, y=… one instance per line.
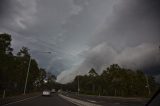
x=78, y=102
x=91, y=101
x=117, y=103
x=20, y=100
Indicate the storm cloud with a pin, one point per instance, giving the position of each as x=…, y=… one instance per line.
x=84, y=34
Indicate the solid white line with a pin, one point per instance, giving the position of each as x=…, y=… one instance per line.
x=77, y=101
x=21, y=100
x=91, y=101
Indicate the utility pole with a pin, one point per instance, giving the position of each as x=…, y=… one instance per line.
x=25, y=86
x=27, y=76
x=4, y=93
x=78, y=85
x=149, y=92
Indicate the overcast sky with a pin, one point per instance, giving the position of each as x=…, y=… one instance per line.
x=84, y=34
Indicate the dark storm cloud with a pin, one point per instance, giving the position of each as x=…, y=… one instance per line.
x=129, y=37
x=132, y=21
x=85, y=33
x=3, y=4
x=133, y=24
x=4, y=10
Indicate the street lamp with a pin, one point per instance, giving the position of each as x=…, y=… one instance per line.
x=78, y=85
x=25, y=86
x=147, y=86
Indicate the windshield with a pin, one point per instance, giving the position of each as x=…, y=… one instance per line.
x=88, y=52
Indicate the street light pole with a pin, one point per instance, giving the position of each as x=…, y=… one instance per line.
x=78, y=85
x=27, y=76
x=25, y=86
x=149, y=92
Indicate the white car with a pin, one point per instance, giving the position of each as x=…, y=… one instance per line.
x=53, y=91
x=46, y=93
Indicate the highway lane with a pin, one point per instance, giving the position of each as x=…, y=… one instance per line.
x=54, y=100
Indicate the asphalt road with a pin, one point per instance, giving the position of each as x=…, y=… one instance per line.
x=110, y=101
x=54, y=100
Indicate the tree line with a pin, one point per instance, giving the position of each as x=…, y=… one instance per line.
x=114, y=81
x=13, y=70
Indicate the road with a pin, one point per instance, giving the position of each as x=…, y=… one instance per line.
x=110, y=101
x=54, y=100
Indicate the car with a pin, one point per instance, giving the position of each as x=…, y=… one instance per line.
x=46, y=93
x=53, y=91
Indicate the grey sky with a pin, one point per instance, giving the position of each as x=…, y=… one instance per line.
x=85, y=33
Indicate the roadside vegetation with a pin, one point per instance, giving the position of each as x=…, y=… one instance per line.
x=115, y=81
x=13, y=70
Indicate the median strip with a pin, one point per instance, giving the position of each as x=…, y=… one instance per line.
x=78, y=102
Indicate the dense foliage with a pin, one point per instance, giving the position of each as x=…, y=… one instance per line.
x=114, y=81
x=13, y=70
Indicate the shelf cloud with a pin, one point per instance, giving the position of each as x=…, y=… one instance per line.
x=86, y=34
